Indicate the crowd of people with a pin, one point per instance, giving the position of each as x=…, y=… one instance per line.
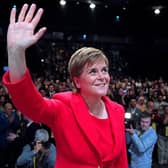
x=137, y=96
x=39, y=129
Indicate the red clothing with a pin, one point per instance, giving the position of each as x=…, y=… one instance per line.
x=103, y=131
x=77, y=142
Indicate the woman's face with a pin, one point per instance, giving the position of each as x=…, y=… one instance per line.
x=94, y=80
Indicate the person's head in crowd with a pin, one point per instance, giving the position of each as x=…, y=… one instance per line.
x=155, y=95
x=42, y=138
x=145, y=121
x=38, y=81
x=165, y=114
x=41, y=135
x=165, y=108
x=131, y=92
x=141, y=93
x=160, y=98
x=8, y=108
x=43, y=91
x=141, y=100
x=121, y=91
x=2, y=99
x=51, y=87
x=2, y=90
x=132, y=102
x=150, y=106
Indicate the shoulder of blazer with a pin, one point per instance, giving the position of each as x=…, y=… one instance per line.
x=64, y=97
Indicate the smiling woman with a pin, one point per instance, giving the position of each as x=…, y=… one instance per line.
x=68, y=114
x=93, y=81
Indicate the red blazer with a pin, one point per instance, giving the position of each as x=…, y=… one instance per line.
x=67, y=116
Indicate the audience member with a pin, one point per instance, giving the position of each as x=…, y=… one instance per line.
x=134, y=111
x=9, y=125
x=162, y=130
x=142, y=143
x=41, y=153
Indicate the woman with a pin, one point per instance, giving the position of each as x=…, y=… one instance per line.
x=88, y=127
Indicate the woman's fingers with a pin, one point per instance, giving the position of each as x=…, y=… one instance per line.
x=30, y=13
x=23, y=13
x=29, y=17
x=13, y=16
x=37, y=17
x=27, y=21
x=40, y=33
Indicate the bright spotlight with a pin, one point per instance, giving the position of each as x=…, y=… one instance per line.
x=62, y=2
x=157, y=11
x=92, y=5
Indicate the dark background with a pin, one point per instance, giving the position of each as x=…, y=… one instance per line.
x=140, y=35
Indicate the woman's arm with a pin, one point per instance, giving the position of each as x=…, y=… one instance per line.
x=18, y=80
x=20, y=36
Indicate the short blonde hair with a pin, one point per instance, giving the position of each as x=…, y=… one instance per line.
x=83, y=56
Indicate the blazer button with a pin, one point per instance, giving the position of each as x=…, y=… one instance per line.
x=98, y=166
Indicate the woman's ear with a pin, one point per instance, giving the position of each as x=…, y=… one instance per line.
x=76, y=82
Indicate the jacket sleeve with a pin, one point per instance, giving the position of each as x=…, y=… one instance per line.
x=29, y=101
x=145, y=142
x=26, y=157
x=52, y=156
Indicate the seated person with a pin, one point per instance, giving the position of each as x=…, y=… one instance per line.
x=40, y=154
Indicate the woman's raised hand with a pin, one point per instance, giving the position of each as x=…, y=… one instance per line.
x=21, y=33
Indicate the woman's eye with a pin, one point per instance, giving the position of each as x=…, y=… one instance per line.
x=105, y=69
x=92, y=71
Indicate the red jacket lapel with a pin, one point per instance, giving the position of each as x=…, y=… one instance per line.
x=116, y=116
x=84, y=121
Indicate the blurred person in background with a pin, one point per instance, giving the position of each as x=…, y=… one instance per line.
x=9, y=125
x=142, y=142
x=162, y=144
x=39, y=154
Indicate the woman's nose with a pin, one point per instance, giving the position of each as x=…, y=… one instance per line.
x=100, y=75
